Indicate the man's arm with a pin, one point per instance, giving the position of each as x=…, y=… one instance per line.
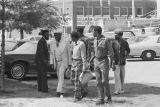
x=83, y=55
x=110, y=49
x=127, y=49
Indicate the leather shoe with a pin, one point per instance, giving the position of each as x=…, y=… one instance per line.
x=100, y=101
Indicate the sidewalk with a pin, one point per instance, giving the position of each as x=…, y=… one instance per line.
x=19, y=94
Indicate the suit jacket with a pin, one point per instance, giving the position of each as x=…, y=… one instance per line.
x=124, y=51
x=65, y=53
x=42, y=54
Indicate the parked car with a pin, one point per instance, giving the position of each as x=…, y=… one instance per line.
x=20, y=61
x=147, y=49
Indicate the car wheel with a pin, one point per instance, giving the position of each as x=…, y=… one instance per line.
x=18, y=70
x=148, y=55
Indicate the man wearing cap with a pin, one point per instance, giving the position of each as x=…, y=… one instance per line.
x=124, y=52
x=61, y=59
x=41, y=60
x=102, y=51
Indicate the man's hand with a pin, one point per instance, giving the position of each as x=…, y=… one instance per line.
x=82, y=75
x=52, y=66
x=113, y=67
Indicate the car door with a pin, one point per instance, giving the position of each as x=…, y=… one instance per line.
x=157, y=46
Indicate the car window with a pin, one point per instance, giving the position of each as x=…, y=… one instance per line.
x=27, y=48
x=32, y=39
x=158, y=41
x=18, y=44
x=138, y=39
x=146, y=39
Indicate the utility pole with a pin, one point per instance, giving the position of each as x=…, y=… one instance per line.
x=158, y=9
x=88, y=11
x=2, y=49
x=63, y=9
x=133, y=12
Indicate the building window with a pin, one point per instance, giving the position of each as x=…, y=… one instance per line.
x=116, y=11
x=139, y=11
x=106, y=11
x=97, y=11
x=130, y=11
x=88, y=11
x=80, y=11
x=124, y=11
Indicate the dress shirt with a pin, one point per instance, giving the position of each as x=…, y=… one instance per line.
x=79, y=52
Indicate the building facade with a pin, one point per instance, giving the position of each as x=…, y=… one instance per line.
x=91, y=12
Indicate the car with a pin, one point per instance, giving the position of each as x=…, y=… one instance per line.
x=20, y=61
x=147, y=49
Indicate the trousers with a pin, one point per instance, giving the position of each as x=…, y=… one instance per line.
x=101, y=69
x=76, y=71
x=60, y=74
x=122, y=76
x=117, y=79
x=42, y=78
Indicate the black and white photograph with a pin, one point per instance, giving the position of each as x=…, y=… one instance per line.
x=79, y=53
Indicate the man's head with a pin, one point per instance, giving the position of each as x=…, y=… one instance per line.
x=80, y=30
x=58, y=36
x=45, y=34
x=74, y=36
x=118, y=35
x=97, y=31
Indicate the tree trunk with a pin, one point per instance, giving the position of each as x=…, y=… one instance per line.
x=22, y=33
x=3, y=47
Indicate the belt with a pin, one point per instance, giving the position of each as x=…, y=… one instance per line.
x=58, y=60
x=101, y=58
x=76, y=59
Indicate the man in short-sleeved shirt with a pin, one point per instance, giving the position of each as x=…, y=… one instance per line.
x=102, y=51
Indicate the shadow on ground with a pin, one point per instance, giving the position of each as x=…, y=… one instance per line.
x=17, y=89
x=140, y=60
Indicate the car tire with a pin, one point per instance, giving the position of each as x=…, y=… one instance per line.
x=148, y=55
x=18, y=70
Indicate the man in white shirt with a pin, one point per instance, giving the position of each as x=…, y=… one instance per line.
x=79, y=62
x=60, y=57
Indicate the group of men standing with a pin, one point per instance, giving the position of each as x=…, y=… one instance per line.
x=75, y=54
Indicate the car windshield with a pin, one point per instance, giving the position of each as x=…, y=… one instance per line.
x=27, y=48
x=8, y=45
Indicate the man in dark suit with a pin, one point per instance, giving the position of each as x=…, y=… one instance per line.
x=41, y=60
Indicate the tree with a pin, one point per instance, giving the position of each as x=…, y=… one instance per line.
x=3, y=46
x=32, y=14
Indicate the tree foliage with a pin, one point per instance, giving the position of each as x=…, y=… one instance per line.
x=27, y=15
